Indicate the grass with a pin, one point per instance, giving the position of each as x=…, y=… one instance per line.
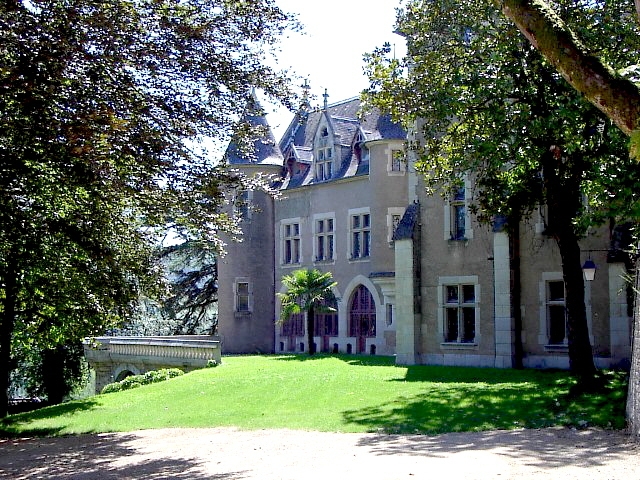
x=338, y=394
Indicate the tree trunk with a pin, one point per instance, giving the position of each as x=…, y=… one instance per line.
x=580, y=352
x=516, y=290
x=563, y=195
x=633, y=395
x=310, y=329
x=7, y=321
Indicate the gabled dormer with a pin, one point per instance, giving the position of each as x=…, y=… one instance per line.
x=323, y=153
x=359, y=147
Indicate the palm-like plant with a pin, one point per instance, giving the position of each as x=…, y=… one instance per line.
x=308, y=290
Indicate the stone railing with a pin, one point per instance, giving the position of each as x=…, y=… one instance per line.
x=193, y=349
x=111, y=356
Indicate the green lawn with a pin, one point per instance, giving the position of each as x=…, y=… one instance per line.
x=338, y=394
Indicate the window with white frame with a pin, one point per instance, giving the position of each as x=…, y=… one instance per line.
x=291, y=243
x=323, y=156
x=459, y=309
x=324, y=239
x=556, y=312
x=243, y=296
x=394, y=216
x=360, y=231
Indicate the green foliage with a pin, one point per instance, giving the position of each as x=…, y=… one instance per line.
x=306, y=289
x=340, y=394
x=51, y=374
x=483, y=101
x=485, y=105
x=190, y=304
x=134, y=381
x=310, y=291
x=106, y=106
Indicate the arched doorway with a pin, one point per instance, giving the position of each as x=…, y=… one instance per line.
x=362, y=317
x=326, y=326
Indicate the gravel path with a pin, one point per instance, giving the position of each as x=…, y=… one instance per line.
x=230, y=454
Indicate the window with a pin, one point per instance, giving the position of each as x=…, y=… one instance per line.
x=394, y=216
x=241, y=203
x=457, y=221
x=397, y=161
x=390, y=309
x=459, y=313
x=362, y=314
x=324, y=233
x=556, y=313
x=294, y=327
x=360, y=148
x=291, y=243
x=360, y=236
x=326, y=323
x=458, y=214
x=324, y=156
x=242, y=296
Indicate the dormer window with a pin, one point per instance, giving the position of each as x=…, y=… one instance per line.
x=291, y=163
x=359, y=148
x=324, y=156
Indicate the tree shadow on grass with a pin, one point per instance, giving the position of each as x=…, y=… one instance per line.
x=17, y=425
x=105, y=456
x=457, y=406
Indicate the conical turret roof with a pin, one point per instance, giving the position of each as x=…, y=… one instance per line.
x=266, y=150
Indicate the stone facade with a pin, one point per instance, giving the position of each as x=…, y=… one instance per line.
x=418, y=276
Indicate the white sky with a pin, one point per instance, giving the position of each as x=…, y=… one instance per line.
x=336, y=35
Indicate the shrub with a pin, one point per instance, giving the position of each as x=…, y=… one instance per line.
x=134, y=381
x=211, y=363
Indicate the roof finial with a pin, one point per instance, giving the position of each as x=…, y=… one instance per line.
x=326, y=98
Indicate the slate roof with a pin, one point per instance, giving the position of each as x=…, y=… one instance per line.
x=266, y=149
x=406, y=227
x=345, y=122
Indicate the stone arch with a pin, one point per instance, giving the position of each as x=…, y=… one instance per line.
x=358, y=282
x=121, y=372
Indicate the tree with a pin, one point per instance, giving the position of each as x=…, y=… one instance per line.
x=189, y=307
x=105, y=108
x=486, y=104
x=309, y=291
x=614, y=92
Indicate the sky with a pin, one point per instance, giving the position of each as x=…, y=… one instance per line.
x=336, y=35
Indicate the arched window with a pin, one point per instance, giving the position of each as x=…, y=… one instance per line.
x=362, y=313
x=326, y=323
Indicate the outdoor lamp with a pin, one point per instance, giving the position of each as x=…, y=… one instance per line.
x=589, y=270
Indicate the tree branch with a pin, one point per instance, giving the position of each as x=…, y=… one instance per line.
x=615, y=96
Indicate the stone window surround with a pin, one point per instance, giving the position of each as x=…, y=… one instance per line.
x=448, y=215
x=316, y=218
x=236, y=294
x=458, y=280
x=543, y=329
x=283, y=224
x=352, y=213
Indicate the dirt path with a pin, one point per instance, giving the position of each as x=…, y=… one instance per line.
x=224, y=453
